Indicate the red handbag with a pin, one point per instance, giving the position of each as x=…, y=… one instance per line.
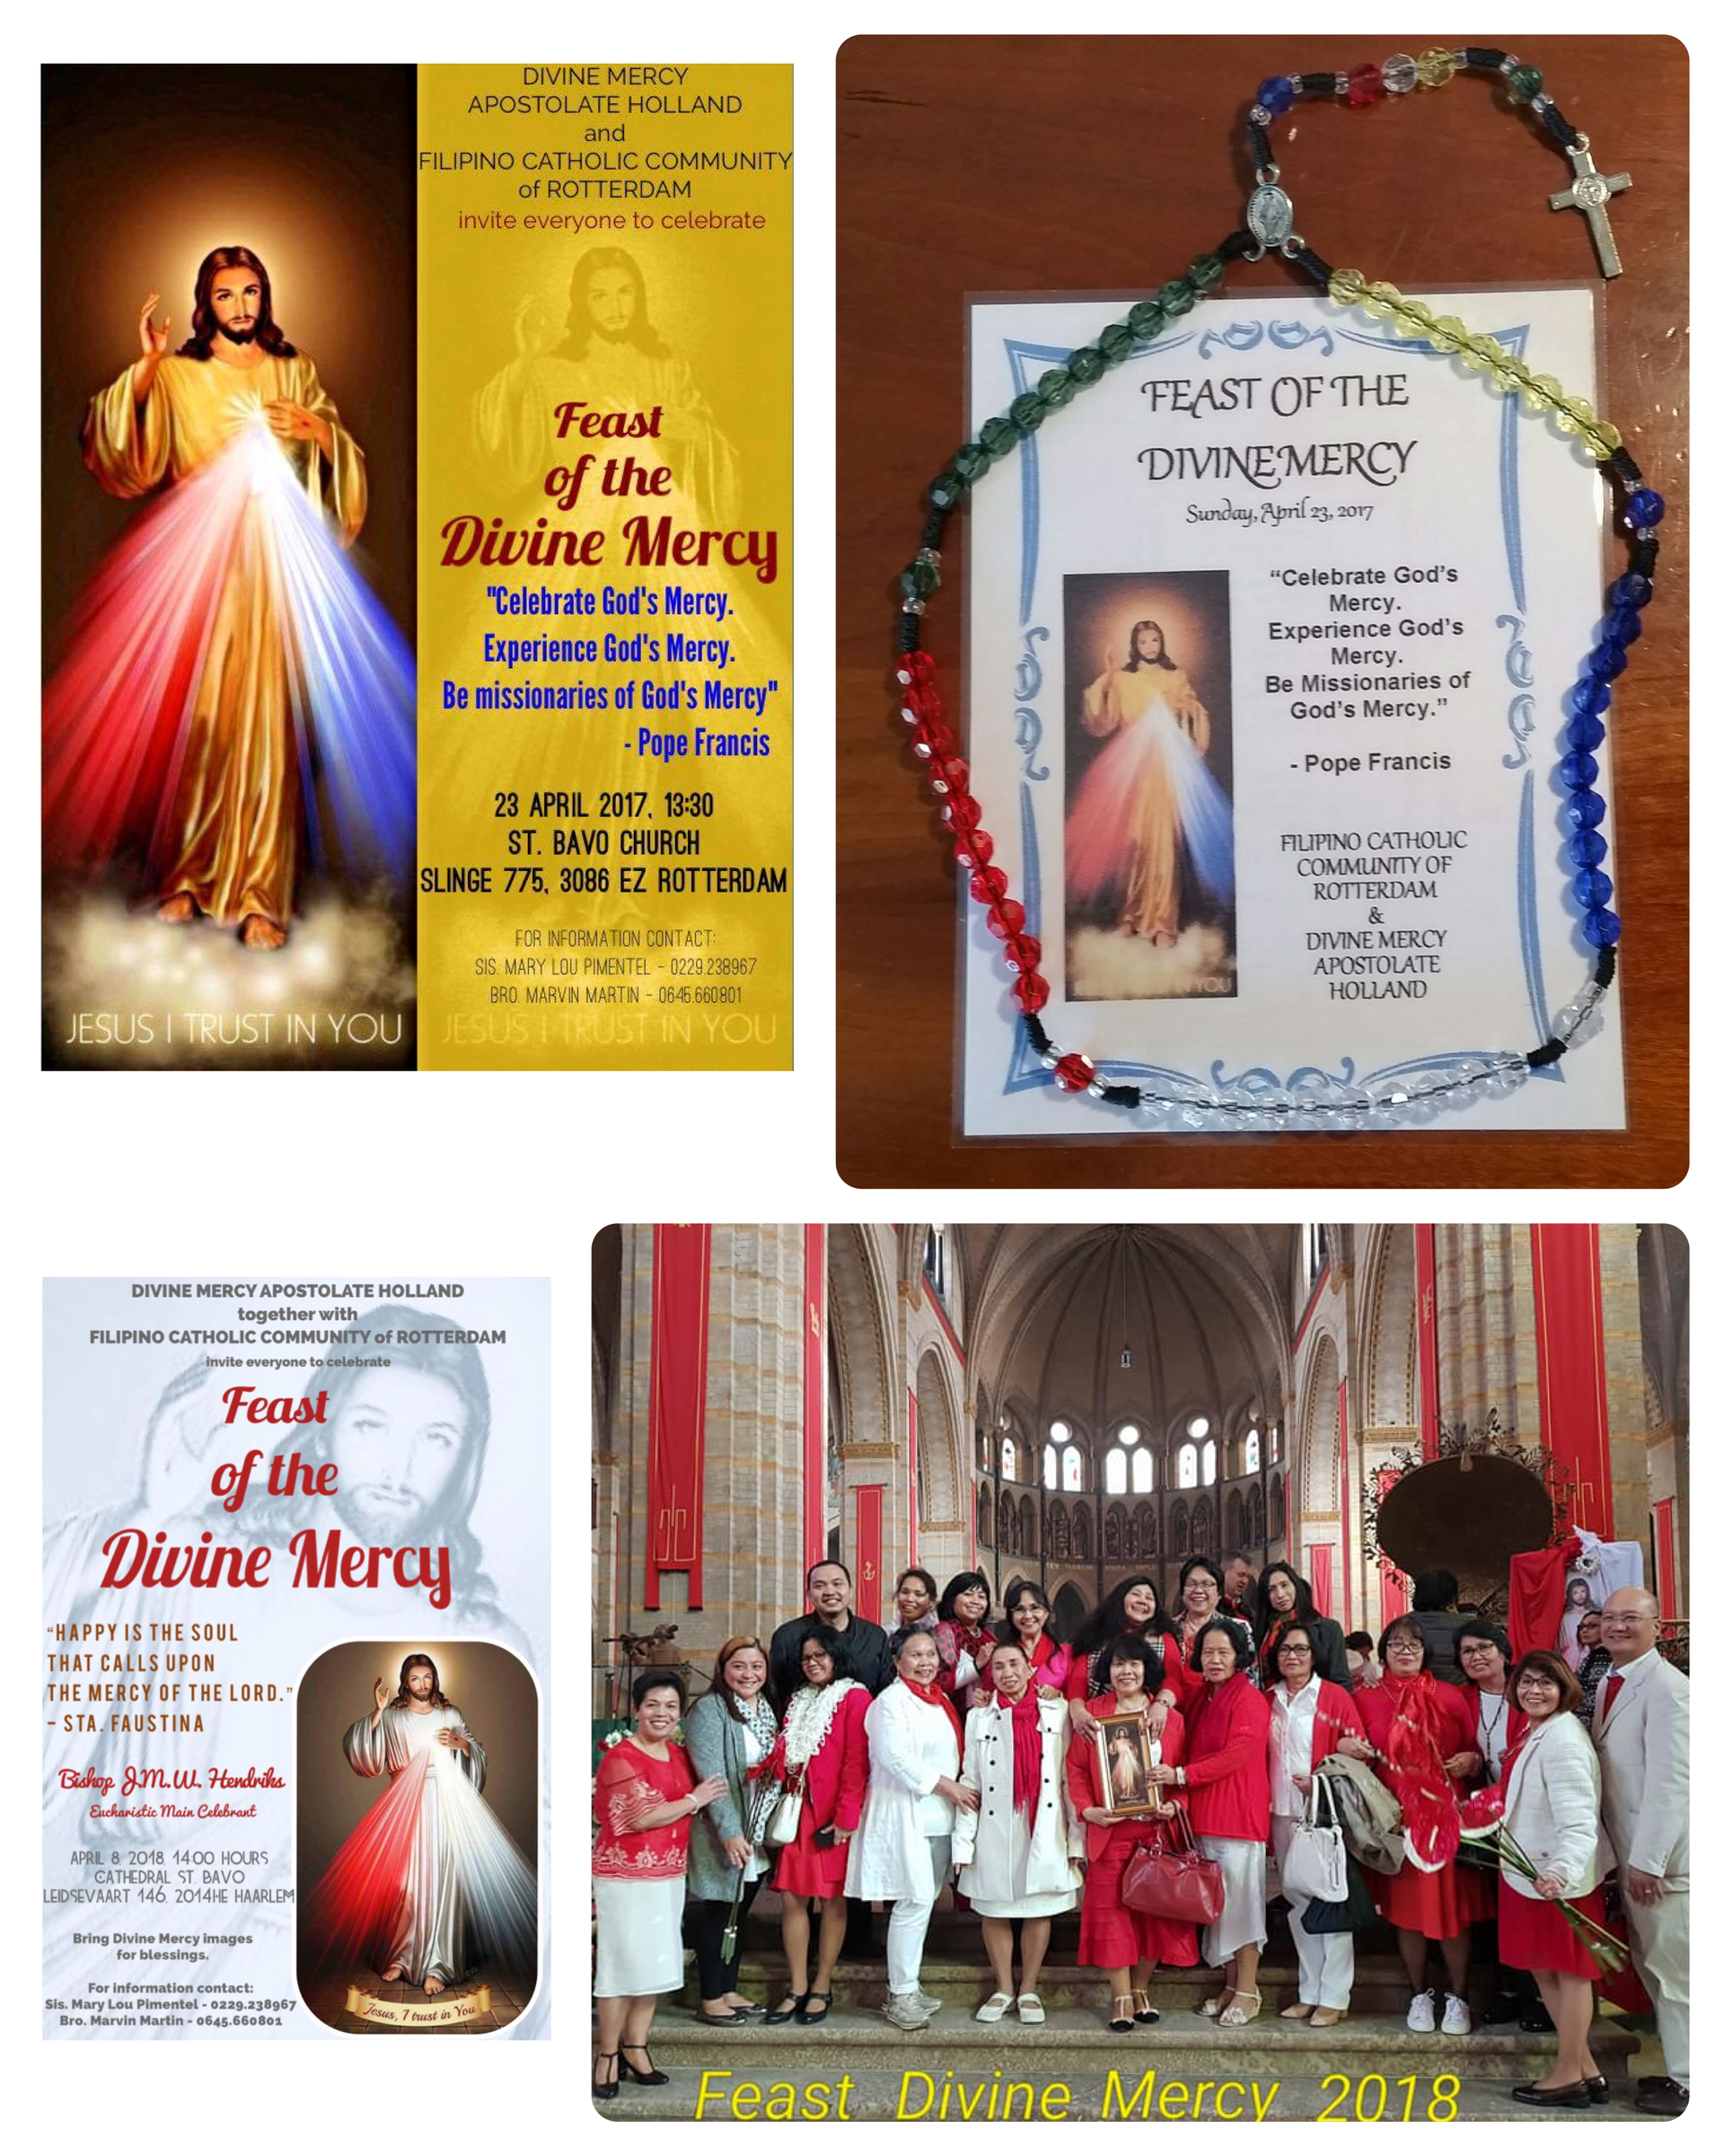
x=1178, y=1883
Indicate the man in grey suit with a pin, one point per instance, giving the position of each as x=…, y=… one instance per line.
x=1639, y=1724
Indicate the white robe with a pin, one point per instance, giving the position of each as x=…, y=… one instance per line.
x=990, y=1841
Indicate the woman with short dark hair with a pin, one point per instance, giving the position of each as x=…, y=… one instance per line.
x=1310, y=1717
x=961, y=1634
x=729, y=1732
x=1029, y=1622
x=645, y=1797
x=1550, y=1805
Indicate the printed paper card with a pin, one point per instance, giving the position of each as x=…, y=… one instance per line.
x=1269, y=636
x=417, y=568
x=296, y=1594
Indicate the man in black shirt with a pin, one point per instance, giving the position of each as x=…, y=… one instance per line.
x=830, y=1591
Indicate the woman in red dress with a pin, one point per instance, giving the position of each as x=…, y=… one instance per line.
x=1422, y=1735
x=822, y=1753
x=1549, y=1801
x=1127, y=1944
x=645, y=1797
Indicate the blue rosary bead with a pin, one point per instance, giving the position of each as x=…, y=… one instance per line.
x=1622, y=625
x=1601, y=929
x=1589, y=697
x=1592, y=887
x=1584, y=810
x=1586, y=849
x=1631, y=589
x=1275, y=93
x=1578, y=772
x=1644, y=509
x=1584, y=731
x=1608, y=660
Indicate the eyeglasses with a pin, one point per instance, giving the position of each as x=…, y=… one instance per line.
x=1298, y=1650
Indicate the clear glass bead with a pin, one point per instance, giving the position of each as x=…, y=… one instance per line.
x=1580, y=1021
x=1447, y=333
x=1400, y=72
x=1388, y=1100
x=1349, y=1105
x=1504, y=1074
x=1153, y=1111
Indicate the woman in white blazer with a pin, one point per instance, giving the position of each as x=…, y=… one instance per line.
x=1550, y=1805
x=902, y=1851
x=1018, y=1852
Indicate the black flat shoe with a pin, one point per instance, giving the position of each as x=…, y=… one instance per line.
x=603, y=2092
x=729, y=2021
x=652, y=2077
x=1536, y=2022
x=787, y=2010
x=1574, y=2098
x=809, y=2021
x=1597, y=2089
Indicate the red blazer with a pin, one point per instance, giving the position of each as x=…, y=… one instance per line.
x=1227, y=1763
x=1455, y=1729
x=1083, y=1776
x=837, y=1773
x=1186, y=1685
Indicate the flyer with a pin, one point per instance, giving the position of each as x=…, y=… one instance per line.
x=296, y=1597
x=1269, y=643
x=417, y=568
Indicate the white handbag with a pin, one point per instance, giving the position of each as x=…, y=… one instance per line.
x=782, y=1828
x=1315, y=1868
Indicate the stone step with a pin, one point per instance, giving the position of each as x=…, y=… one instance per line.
x=1367, y=2067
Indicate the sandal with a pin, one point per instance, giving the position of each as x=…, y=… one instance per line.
x=814, y=2020
x=1236, y=2016
x=1297, y=2011
x=1142, y=2012
x=1030, y=2008
x=1212, y=2006
x=788, y=2009
x=994, y=2009
x=603, y=2092
x=1121, y=2023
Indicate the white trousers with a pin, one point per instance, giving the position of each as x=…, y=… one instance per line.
x=1658, y=1936
x=906, y=1927
x=1325, y=1957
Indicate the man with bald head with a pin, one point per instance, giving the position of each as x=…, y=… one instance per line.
x=1639, y=1724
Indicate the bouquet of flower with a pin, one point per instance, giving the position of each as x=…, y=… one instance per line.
x=1487, y=1843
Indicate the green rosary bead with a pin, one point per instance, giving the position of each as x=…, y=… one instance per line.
x=1055, y=388
x=949, y=491
x=1146, y=320
x=920, y=580
x=1114, y=342
x=1207, y=272
x=1177, y=297
x=972, y=462
x=1086, y=365
x=1525, y=83
x=1028, y=412
x=1000, y=437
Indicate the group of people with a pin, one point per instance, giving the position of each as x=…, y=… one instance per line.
x=849, y=1764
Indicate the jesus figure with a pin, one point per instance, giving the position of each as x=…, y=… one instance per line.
x=186, y=712
x=430, y=1881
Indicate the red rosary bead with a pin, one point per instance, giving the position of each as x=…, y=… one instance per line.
x=1364, y=85
x=1006, y=918
x=960, y=812
x=988, y=885
x=974, y=849
x=949, y=775
x=920, y=704
x=932, y=739
x=1074, y=1074
x=1023, y=953
x=914, y=668
x=1030, y=992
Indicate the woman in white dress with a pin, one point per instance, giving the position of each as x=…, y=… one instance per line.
x=1020, y=1850
x=902, y=1852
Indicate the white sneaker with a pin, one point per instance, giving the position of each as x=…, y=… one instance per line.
x=928, y=2006
x=1422, y=2015
x=1457, y=2016
x=905, y=2011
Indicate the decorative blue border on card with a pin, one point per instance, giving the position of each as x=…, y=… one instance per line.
x=1024, y=1066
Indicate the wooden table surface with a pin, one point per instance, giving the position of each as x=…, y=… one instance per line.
x=998, y=164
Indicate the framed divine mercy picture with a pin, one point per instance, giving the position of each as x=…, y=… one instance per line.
x=1125, y=1752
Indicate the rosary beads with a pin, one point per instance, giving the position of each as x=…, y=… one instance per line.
x=1314, y=1101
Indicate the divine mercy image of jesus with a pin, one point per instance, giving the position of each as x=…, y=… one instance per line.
x=1149, y=833
x=430, y=1894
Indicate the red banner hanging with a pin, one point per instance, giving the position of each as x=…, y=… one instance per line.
x=1346, y=1515
x=676, y=1451
x=869, y=1562
x=1664, y=1556
x=814, y=1396
x=1568, y=1318
x=1424, y=1276
x=1323, y=1560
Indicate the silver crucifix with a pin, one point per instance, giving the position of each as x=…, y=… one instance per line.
x=1589, y=192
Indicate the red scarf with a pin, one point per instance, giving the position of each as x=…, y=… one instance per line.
x=936, y=1697
x=1429, y=1810
x=1026, y=1748
x=954, y=1638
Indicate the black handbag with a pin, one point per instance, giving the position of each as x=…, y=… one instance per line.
x=1357, y=1912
